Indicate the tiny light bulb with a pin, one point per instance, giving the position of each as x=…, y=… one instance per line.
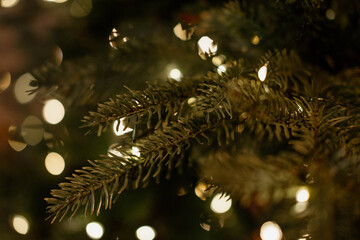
x=20, y=224
x=8, y=3
x=119, y=130
x=221, y=69
x=220, y=204
x=145, y=233
x=94, y=230
x=262, y=72
x=175, y=74
x=54, y=163
x=270, y=231
x=53, y=111
x=135, y=151
x=302, y=194
x=207, y=45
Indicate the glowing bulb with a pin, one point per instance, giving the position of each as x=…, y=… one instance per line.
x=94, y=230
x=330, y=14
x=300, y=207
x=270, y=231
x=206, y=46
x=145, y=233
x=175, y=74
x=183, y=34
x=22, y=88
x=8, y=3
x=200, y=191
x=20, y=224
x=135, y=151
x=262, y=72
x=5, y=81
x=221, y=69
x=302, y=194
x=54, y=163
x=120, y=130
x=220, y=204
x=53, y=111
x=218, y=60
x=255, y=40
x=56, y=1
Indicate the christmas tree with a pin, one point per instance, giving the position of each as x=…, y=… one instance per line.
x=180, y=120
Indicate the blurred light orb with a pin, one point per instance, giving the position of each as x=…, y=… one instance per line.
x=20, y=224
x=95, y=230
x=5, y=80
x=302, y=194
x=22, y=87
x=58, y=56
x=54, y=163
x=53, y=111
x=80, y=8
x=175, y=74
x=218, y=60
x=262, y=73
x=300, y=207
x=32, y=130
x=56, y=1
x=8, y=3
x=135, y=151
x=119, y=127
x=220, y=204
x=270, y=231
x=145, y=233
x=15, y=140
x=206, y=47
x=221, y=69
x=201, y=191
x=183, y=33
x=255, y=40
x=330, y=14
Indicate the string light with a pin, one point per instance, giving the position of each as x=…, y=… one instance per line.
x=23, y=87
x=135, y=151
x=145, y=233
x=220, y=204
x=54, y=163
x=5, y=81
x=330, y=14
x=119, y=128
x=20, y=224
x=255, y=40
x=95, y=230
x=302, y=194
x=218, y=60
x=183, y=34
x=262, y=72
x=207, y=47
x=270, y=231
x=32, y=130
x=175, y=74
x=8, y=3
x=221, y=69
x=53, y=111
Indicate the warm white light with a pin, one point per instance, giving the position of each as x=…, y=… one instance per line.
x=32, y=130
x=302, y=194
x=300, y=207
x=22, y=88
x=221, y=69
x=218, y=60
x=94, y=230
x=270, y=231
x=121, y=129
x=255, y=40
x=202, y=191
x=145, y=233
x=207, y=46
x=20, y=224
x=330, y=14
x=175, y=74
x=183, y=34
x=135, y=151
x=5, y=81
x=8, y=3
x=262, y=73
x=220, y=204
x=53, y=111
x=56, y=1
x=54, y=163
